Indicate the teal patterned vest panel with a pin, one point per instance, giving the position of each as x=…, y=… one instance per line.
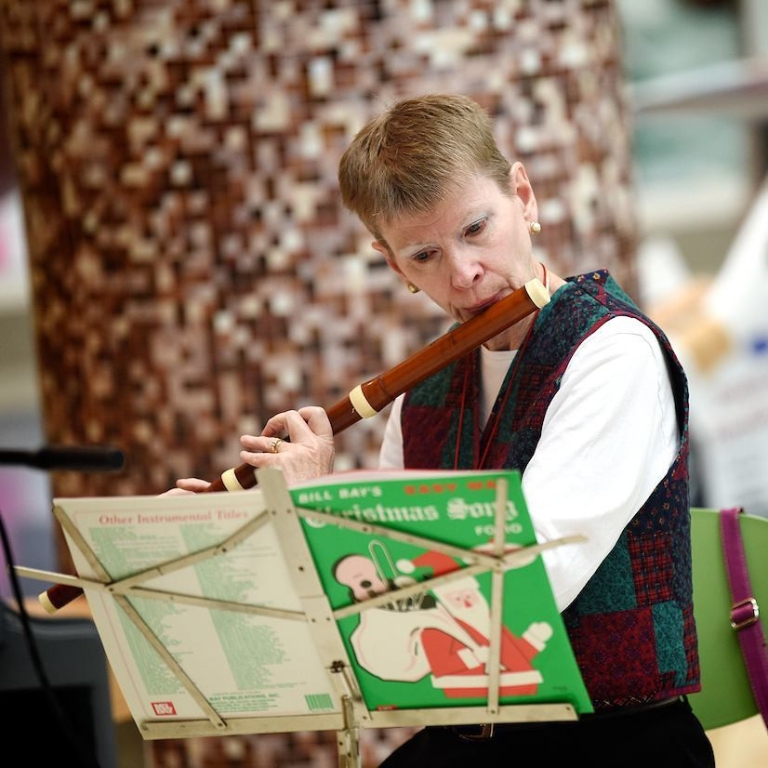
x=640, y=598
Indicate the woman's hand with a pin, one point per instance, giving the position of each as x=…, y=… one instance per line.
x=300, y=443
x=186, y=485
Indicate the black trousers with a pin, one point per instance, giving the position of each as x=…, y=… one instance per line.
x=664, y=737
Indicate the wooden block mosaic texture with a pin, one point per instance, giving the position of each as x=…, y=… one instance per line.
x=193, y=269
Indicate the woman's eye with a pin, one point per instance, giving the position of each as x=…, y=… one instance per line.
x=475, y=228
x=422, y=256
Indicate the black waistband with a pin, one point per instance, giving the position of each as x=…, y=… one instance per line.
x=484, y=731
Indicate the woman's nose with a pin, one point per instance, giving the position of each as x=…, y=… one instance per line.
x=465, y=269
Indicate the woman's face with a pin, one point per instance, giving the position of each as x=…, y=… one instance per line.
x=471, y=251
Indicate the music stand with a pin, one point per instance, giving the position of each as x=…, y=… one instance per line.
x=179, y=603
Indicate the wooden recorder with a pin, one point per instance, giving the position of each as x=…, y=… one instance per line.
x=369, y=398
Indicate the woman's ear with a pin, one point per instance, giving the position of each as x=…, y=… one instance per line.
x=387, y=254
x=521, y=187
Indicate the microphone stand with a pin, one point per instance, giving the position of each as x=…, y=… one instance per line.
x=73, y=458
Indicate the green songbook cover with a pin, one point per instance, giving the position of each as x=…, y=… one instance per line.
x=431, y=648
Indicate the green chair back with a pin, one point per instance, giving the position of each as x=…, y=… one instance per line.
x=726, y=695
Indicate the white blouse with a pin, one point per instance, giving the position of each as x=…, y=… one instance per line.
x=609, y=435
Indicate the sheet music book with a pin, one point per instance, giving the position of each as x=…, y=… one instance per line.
x=430, y=648
x=258, y=610
x=244, y=664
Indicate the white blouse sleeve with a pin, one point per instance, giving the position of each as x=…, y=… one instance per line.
x=609, y=436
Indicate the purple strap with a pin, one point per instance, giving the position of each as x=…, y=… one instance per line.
x=744, y=611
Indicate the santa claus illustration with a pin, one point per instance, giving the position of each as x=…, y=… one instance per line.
x=443, y=633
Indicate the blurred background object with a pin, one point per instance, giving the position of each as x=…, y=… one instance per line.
x=191, y=268
x=701, y=147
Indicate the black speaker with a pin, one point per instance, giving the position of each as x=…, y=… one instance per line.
x=70, y=719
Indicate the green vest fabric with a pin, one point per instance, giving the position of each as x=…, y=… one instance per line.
x=631, y=627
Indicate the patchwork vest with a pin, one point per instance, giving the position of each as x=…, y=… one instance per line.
x=632, y=627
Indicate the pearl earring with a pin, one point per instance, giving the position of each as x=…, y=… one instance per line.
x=534, y=227
x=412, y=288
